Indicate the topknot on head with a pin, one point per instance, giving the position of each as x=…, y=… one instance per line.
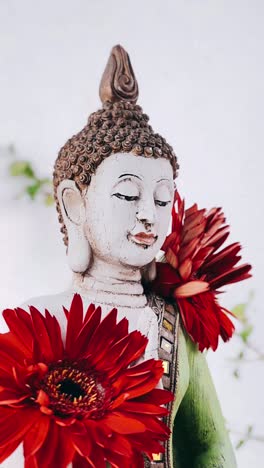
x=118, y=82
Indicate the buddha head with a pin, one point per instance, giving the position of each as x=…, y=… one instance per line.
x=114, y=180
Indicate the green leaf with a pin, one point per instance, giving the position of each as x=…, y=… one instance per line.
x=49, y=200
x=245, y=333
x=21, y=168
x=32, y=190
x=240, y=312
x=46, y=180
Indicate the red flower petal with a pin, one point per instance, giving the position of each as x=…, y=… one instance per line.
x=75, y=322
x=236, y=274
x=8, y=449
x=156, y=427
x=193, y=218
x=139, y=380
x=41, y=337
x=121, y=354
x=188, y=250
x=204, y=320
x=172, y=258
x=80, y=462
x=222, y=261
x=191, y=289
x=9, y=397
x=169, y=241
x=83, y=444
x=144, y=408
x=193, y=233
x=119, y=461
x=185, y=269
x=157, y=396
x=141, y=445
x=15, y=423
x=122, y=445
x=122, y=424
x=166, y=280
x=102, y=334
x=91, y=323
x=35, y=437
x=226, y=326
x=97, y=458
x=20, y=331
x=57, y=449
x=55, y=337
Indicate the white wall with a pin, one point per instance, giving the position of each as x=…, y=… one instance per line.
x=200, y=69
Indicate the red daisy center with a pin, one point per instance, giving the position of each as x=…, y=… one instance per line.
x=71, y=390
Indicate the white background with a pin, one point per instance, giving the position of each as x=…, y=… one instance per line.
x=199, y=65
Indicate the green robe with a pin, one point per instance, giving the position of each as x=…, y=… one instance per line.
x=200, y=439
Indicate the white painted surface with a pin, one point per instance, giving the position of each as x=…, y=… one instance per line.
x=200, y=69
x=121, y=216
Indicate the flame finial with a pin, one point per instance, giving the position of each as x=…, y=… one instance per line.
x=118, y=82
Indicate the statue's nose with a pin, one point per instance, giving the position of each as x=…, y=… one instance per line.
x=147, y=213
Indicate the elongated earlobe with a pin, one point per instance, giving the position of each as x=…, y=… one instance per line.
x=79, y=252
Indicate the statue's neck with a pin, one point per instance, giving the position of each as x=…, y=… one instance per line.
x=116, y=285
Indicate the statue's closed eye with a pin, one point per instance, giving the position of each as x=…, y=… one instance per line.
x=162, y=203
x=125, y=197
x=134, y=198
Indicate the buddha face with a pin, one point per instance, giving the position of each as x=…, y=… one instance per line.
x=127, y=208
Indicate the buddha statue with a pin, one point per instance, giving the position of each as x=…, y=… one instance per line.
x=114, y=191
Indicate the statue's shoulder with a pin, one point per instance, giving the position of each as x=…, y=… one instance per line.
x=53, y=303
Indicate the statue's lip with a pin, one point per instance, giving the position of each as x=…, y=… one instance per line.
x=144, y=238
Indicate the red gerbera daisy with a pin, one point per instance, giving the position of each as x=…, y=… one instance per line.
x=82, y=401
x=196, y=268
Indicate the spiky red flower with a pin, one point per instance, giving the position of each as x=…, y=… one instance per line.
x=84, y=401
x=196, y=269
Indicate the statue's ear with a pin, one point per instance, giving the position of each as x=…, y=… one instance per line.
x=71, y=202
x=73, y=211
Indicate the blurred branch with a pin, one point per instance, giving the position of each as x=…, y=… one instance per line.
x=247, y=436
x=244, y=334
x=258, y=352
